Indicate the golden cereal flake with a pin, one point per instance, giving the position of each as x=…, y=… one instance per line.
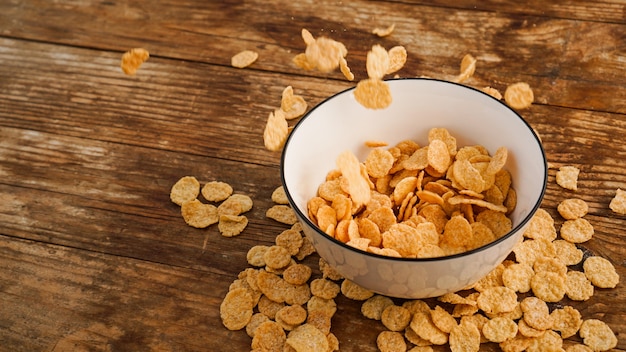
x=307, y=338
x=548, y=341
x=276, y=257
x=519, y=95
x=548, y=286
x=573, y=208
x=395, y=318
x=292, y=105
x=597, y=335
x=355, y=292
x=577, y=230
x=443, y=319
x=198, y=214
x=291, y=240
x=541, y=225
x=577, y=286
x=566, y=320
x=184, y=190
x=497, y=299
x=493, y=92
x=269, y=336
x=567, y=177
x=383, y=32
x=279, y=196
x=468, y=66
x=282, y=213
x=536, y=313
x=499, y=329
x=236, y=204
x=397, y=59
x=216, y=191
x=276, y=131
x=345, y=69
x=374, y=306
x=600, y=272
x=391, y=341
x=268, y=307
x=232, y=225
x=618, y=203
x=255, y=255
x=567, y=252
x=236, y=309
x=350, y=169
x=377, y=62
x=517, y=277
x=373, y=93
x=132, y=59
x=422, y=324
x=255, y=321
x=244, y=58
x=324, y=53
x=324, y=288
x=378, y=162
x=465, y=337
x=290, y=317
x=297, y=274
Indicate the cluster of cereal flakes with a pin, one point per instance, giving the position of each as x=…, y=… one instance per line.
x=511, y=306
x=417, y=201
x=228, y=214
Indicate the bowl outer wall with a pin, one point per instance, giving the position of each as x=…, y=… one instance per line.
x=472, y=117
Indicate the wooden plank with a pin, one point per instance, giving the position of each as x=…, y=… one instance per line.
x=602, y=11
x=436, y=38
x=175, y=106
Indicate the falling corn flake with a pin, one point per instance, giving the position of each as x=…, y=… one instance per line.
x=291, y=104
x=468, y=66
x=377, y=62
x=276, y=131
x=618, y=203
x=397, y=59
x=373, y=93
x=519, y=95
x=383, y=32
x=132, y=59
x=244, y=58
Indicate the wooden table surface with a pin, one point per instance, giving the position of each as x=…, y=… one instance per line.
x=93, y=254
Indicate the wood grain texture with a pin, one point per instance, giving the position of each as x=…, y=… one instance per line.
x=95, y=256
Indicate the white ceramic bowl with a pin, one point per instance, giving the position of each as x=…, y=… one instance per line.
x=340, y=123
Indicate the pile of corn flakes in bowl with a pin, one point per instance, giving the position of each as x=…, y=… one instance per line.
x=419, y=199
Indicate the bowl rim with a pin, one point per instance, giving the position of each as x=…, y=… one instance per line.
x=502, y=238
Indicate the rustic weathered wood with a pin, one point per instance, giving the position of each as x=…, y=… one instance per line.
x=96, y=257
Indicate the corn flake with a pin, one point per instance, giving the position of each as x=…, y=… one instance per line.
x=236, y=309
x=383, y=32
x=600, y=272
x=465, y=337
x=499, y=329
x=573, y=208
x=390, y=341
x=373, y=93
x=184, y=190
x=577, y=231
x=618, y=203
x=276, y=131
x=519, y=95
x=199, y=215
x=282, y=213
x=216, y=191
x=232, y=225
x=244, y=58
x=597, y=335
x=567, y=177
x=132, y=59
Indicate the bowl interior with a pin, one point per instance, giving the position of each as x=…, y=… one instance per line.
x=340, y=123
